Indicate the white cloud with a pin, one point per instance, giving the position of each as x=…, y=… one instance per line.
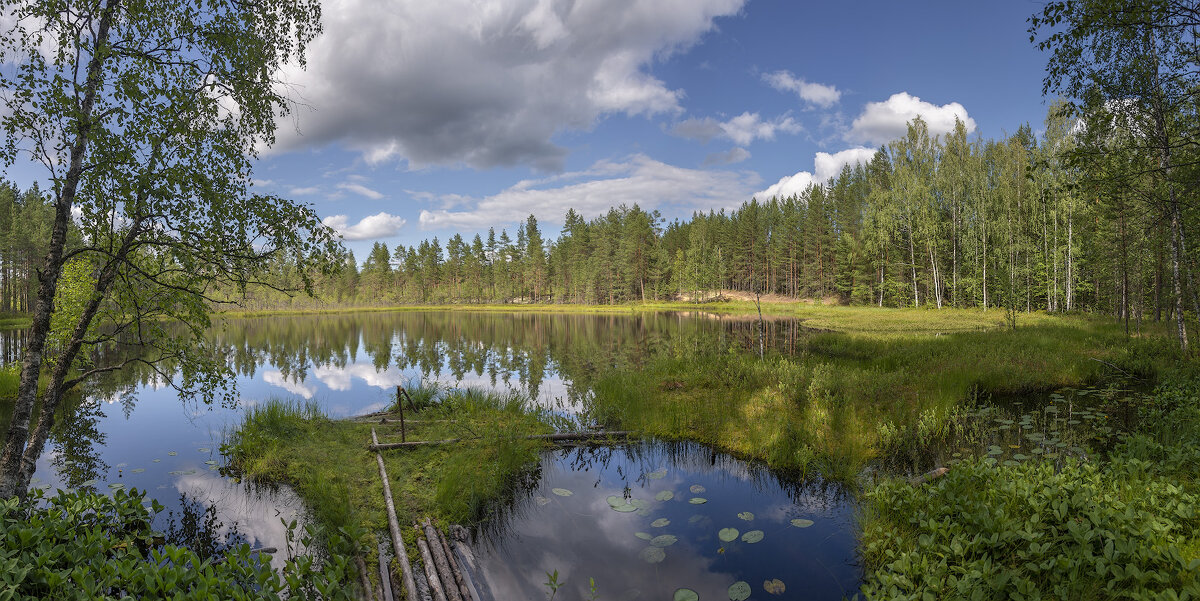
x=881, y=122
x=309, y=191
x=379, y=225
x=639, y=179
x=485, y=83
x=818, y=94
x=736, y=154
x=742, y=129
x=829, y=166
x=292, y=385
x=360, y=190
x=787, y=186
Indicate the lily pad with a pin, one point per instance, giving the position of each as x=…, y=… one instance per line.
x=774, y=586
x=697, y=500
x=541, y=500
x=746, y=515
x=752, y=536
x=657, y=474
x=728, y=535
x=116, y=486
x=137, y=470
x=640, y=503
x=660, y=522
x=614, y=501
x=210, y=462
x=625, y=508
x=802, y=523
x=739, y=591
x=172, y=453
x=686, y=594
x=92, y=482
x=664, y=540
x=695, y=519
x=665, y=495
x=157, y=460
x=652, y=555
x=643, y=535
x=204, y=449
x=697, y=489
x=562, y=492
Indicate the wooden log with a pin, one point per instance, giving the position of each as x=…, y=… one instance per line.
x=410, y=586
x=385, y=580
x=929, y=476
x=561, y=437
x=435, y=585
x=400, y=406
x=364, y=579
x=449, y=584
x=454, y=567
x=471, y=566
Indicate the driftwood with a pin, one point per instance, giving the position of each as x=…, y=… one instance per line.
x=562, y=437
x=365, y=579
x=449, y=583
x=410, y=586
x=929, y=476
x=435, y=585
x=385, y=580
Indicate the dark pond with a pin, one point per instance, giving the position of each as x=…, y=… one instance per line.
x=133, y=430
x=644, y=521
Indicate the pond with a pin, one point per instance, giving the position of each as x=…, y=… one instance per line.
x=648, y=520
x=132, y=430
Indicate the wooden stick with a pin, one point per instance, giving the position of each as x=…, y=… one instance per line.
x=385, y=580
x=410, y=586
x=469, y=559
x=435, y=585
x=454, y=567
x=400, y=406
x=443, y=563
x=562, y=437
x=364, y=580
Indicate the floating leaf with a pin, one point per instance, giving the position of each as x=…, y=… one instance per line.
x=665, y=495
x=172, y=453
x=746, y=515
x=739, y=591
x=728, y=535
x=640, y=503
x=752, y=536
x=625, y=508
x=90, y=483
x=697, y=500
x=643, y=535
x=562, y=492
x=802, y=523
x=1020, y=456
x=696, y=518
x=204, y=449
x=774, y=586
x=116, y=486
x=652, y=554
x=686, y=594
x=658, y=474
x=660, y=522
x=664, y=540
x=137, y=470
x=614, y=501
x=541, y=501
x=210, y=462
x=697, y=489
x=157, y=460
x=175, y=472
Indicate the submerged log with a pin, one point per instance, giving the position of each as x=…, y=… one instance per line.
x=561, y=437
x=431, y=576
x=929, y=476
x=410, y=586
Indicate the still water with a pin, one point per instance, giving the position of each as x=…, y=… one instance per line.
x=132, y=430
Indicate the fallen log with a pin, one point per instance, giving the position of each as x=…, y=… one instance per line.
x=435, y=585
x=561, y=437
x=410, y=586
x=454, y=567
x=364, y=578
x=449, y=583
x=385, y=580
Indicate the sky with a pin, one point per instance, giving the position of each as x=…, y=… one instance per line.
x=417, y=119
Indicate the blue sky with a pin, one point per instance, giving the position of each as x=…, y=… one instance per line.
x=420, y=119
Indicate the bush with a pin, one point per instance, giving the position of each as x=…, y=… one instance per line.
x=82, y=545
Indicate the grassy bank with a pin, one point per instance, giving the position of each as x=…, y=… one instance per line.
x=826, y=407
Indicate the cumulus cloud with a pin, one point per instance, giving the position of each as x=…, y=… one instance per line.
x=736, y=154
x=788, y=185
x=639, y=179
x=881, y=122
x=379, y=225
x=827, y=166
x=361, y=190
x=742, y=129
x=485, y=83
x=818, y=94
x=307, y=191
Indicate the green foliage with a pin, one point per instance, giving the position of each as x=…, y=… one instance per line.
x=80, y=545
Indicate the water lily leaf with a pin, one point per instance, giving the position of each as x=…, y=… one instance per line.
x=802, y=523
x=210, y=462
x=739, y=591
x=660, y=522
x=752, y=536
x=1010, y=463
x=204, y=449
x=562, y=492
x=774, y=586
x=657, y=474
x=116, y=486
x=686, y=594
x=92, y=482
x=728, y=535
x=697, y=489
x=696, y=518
x=664, y=540
x=665, y=495
x=157, y=460
x=137, y=470
x=172, y=453
x=643, y=535
x=640, y=503
x=697, y=500
x=625, y=508
x=746, y=515
x=652, y=555
x=615, y=501
x=1020, y=456
x=175, y=472
x=541, y=501
x=643, y=512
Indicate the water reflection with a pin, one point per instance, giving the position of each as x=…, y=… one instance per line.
x=582, y=535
